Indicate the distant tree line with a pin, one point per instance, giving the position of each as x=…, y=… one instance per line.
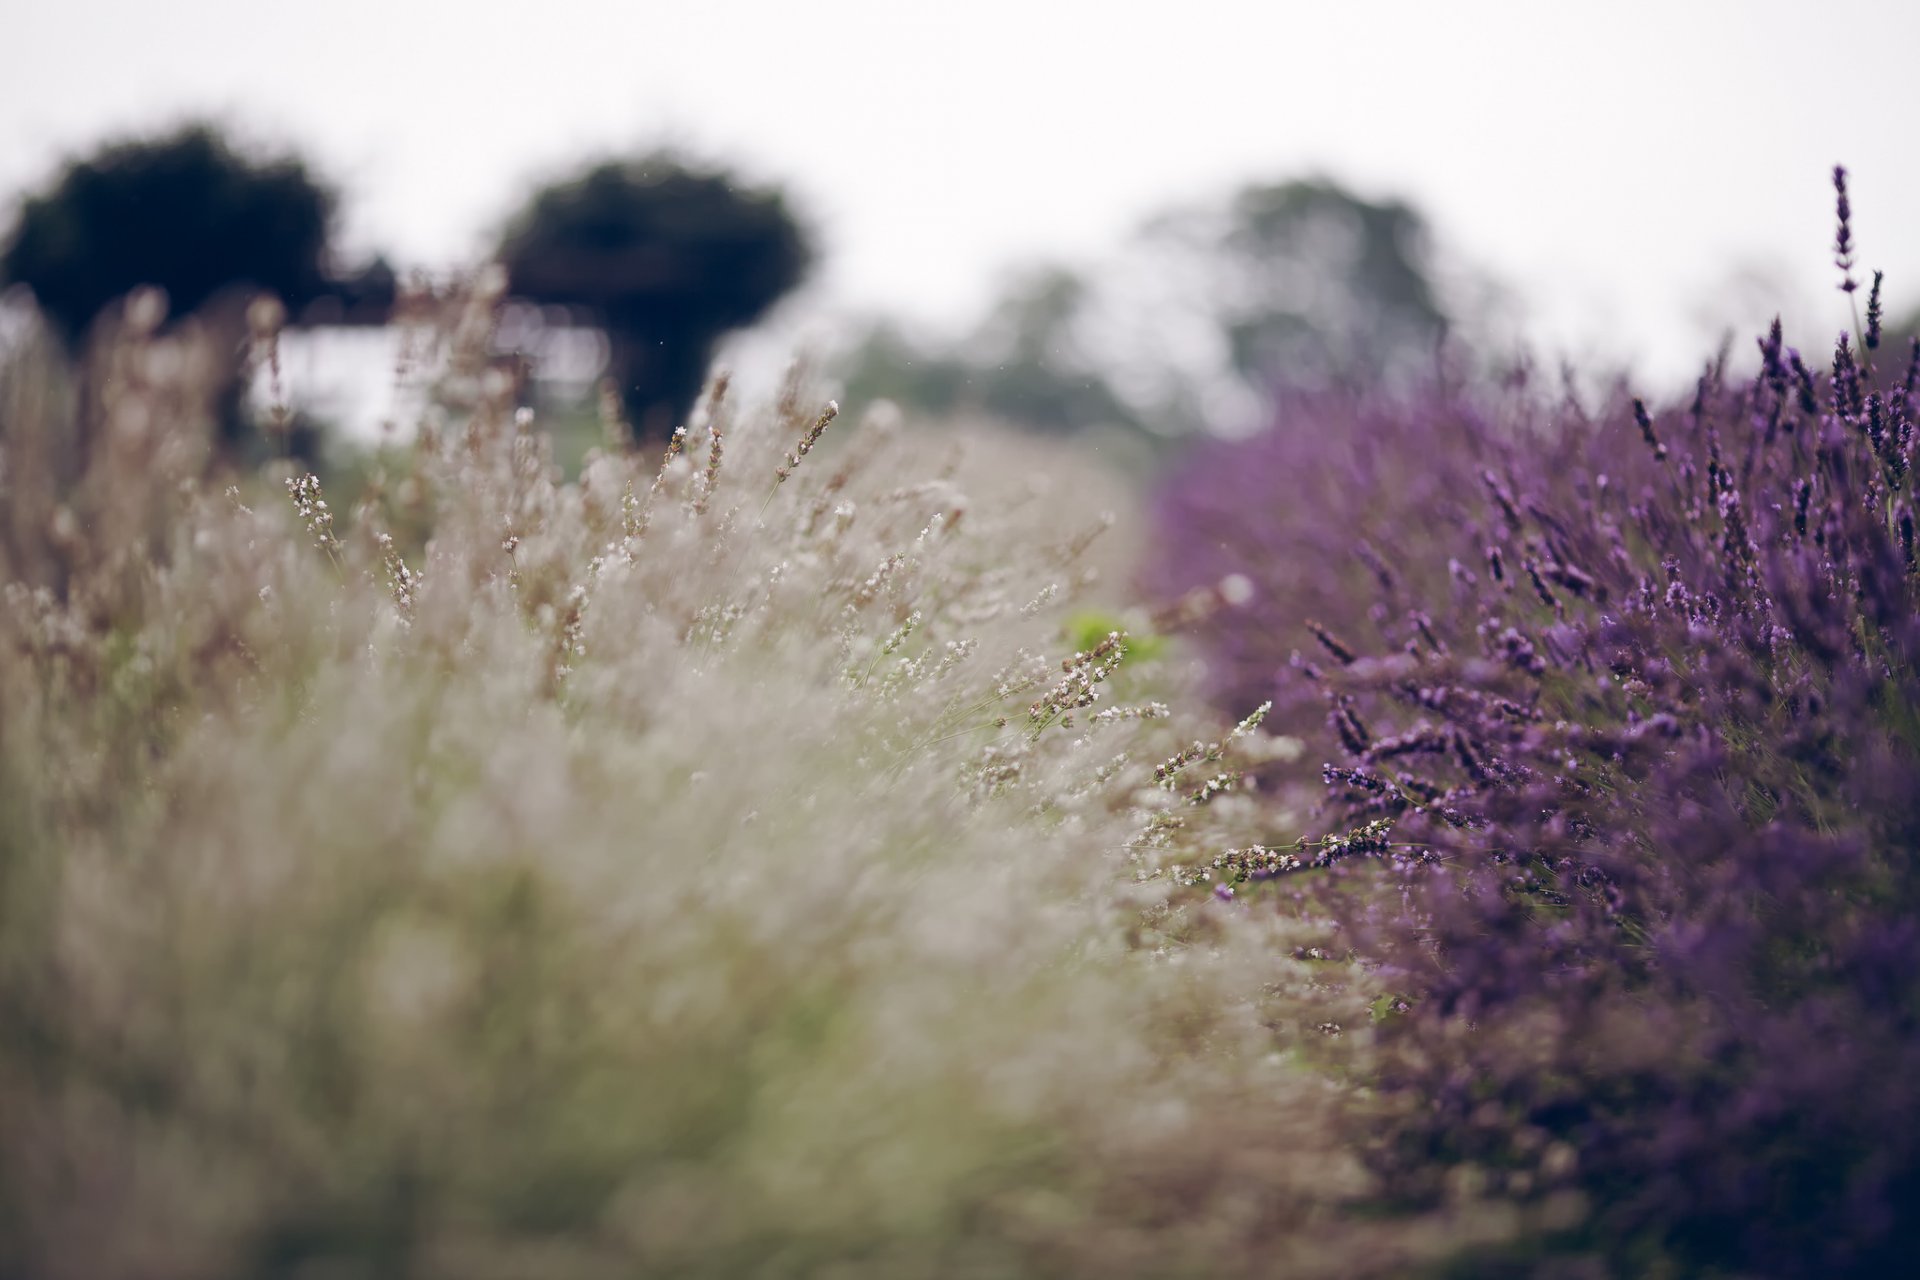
x=1201, y=319
x=665, y=257
x=1204, y=316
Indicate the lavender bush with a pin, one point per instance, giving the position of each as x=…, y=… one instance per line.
x=1625, y=702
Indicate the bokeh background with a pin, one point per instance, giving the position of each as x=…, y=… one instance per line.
x=1495, y=851
x=1624, y=183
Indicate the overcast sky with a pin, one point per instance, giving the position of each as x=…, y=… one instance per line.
x=1636, y=173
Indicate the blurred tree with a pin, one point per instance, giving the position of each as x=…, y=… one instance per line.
x=1036, y=365
x=1197, y=324
x=186, y=213
x=1214, y=311
x=1024, y=364
x=1324, y=285
x=887, y=363
x=183, y=212
x=666, y=259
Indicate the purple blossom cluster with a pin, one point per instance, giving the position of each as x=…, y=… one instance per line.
x=1638, y=688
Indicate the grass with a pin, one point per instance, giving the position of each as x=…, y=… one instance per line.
x=641, y=875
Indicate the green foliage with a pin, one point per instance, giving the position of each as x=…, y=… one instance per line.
x=1088, y=627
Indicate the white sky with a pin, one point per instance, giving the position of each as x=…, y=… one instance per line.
x=1615, y=164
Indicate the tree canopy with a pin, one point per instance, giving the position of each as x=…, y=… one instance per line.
x=185, y=212
x=666, y=258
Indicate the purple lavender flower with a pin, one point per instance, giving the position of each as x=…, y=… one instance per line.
x=1872, y=338
x=1843, y=234
x=1662, y=951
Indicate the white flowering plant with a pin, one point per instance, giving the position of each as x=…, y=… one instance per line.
x=717, y=865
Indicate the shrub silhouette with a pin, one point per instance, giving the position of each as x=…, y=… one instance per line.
x=184, y=212
x=666, y=259
x=188, y=214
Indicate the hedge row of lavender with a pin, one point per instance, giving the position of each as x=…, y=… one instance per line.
x=1639, y=689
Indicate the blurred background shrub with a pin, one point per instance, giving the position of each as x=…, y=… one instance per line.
x=183, y=212
x=665, y=258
